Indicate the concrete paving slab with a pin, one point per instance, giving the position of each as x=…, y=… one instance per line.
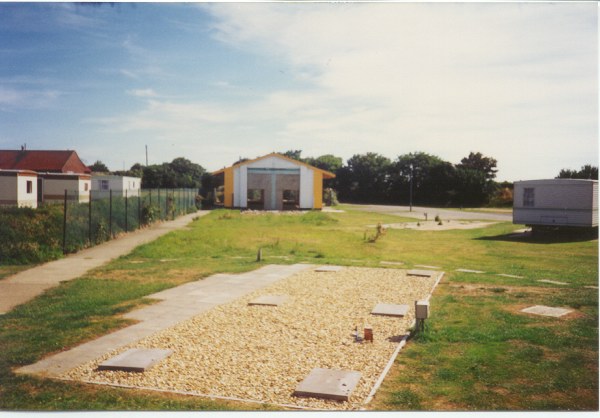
x=553, y=282
x=328, y=384
x=591, y=287
x=391, y=263
x=512, y=276
x=470, y=271
x=135, y=360
x=269, y=300
x=421, y=273
x=547, y=311
x=427, y=267
x=323, y=269
x=389, y=309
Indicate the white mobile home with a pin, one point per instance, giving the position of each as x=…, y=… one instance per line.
x=556, y=202
x=78, y=187
x=120, y=185
x=18, y=188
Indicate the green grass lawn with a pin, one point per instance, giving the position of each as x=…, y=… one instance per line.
x=479, y=352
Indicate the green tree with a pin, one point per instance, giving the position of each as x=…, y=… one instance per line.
x=587, y=171
x=293, y=154
x=432, y=178
x=476, y=161
x=99, y=167
x=365, y=178
x=181, y=172
x=326, y=162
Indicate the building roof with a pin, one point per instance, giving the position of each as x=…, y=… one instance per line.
x=50, y=161
x=14, y=173
x=326, y=174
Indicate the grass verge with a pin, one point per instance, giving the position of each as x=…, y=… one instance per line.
x=478, y=353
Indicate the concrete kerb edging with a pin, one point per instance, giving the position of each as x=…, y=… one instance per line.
x=396, y=352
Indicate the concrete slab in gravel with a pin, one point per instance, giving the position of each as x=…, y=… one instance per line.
x=328, y=268
x=470, y=271
x=391, y=263
x=427, y=267
x=269, y=300
x=331, y=384
x=421, y=273
x=553, y=282
x=135, y=360
x=546, y=311
x=389, y=309
x=176, y=304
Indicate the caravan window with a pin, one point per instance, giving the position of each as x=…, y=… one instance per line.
x=529, y=196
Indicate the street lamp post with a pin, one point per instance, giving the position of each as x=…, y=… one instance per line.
x=411, y=188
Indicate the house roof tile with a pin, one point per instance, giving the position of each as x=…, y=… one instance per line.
x=50, y=161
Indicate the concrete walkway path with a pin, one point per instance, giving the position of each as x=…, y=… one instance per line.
x=419, y=213
x=178, y=304
x=24, y=286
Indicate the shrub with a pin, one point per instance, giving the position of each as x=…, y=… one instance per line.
x=30, y=235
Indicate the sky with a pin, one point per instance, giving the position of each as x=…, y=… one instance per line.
x=213, y=82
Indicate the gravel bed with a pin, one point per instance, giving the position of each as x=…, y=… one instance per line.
x=261, y=353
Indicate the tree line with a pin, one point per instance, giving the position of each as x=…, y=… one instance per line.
x=417, y=177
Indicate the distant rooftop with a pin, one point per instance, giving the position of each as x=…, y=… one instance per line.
x=66, y=161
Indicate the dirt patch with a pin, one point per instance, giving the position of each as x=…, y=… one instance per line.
x=437, y=226
x=490, y=289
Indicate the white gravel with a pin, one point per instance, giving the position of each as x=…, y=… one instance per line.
x=261, y=353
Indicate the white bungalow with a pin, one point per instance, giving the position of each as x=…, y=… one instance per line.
x=78, y=187
x=18, y=188
x=120, y=185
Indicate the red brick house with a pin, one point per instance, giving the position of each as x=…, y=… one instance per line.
x=57, y=171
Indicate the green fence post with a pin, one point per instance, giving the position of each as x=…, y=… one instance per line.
x=110, y=214
x=139, y=209
x=90, y=219
x=65, y=224
x=126, y=214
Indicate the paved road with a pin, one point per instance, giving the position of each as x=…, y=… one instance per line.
x=419, y=213
x=24, y=286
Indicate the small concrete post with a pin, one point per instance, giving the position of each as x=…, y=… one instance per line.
x=259, y=255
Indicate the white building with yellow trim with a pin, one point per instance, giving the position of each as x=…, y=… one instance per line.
x=273, y=182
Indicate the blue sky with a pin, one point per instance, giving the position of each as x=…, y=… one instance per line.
x=213, y=82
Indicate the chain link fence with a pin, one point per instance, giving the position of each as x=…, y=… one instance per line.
x=106, y=214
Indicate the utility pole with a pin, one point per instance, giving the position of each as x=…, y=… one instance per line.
x=146, y=155
x=411, y=187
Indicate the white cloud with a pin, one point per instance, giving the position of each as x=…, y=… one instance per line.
x=142, y=93
x=516, y=81
x=504, y=79
x=15, y=98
